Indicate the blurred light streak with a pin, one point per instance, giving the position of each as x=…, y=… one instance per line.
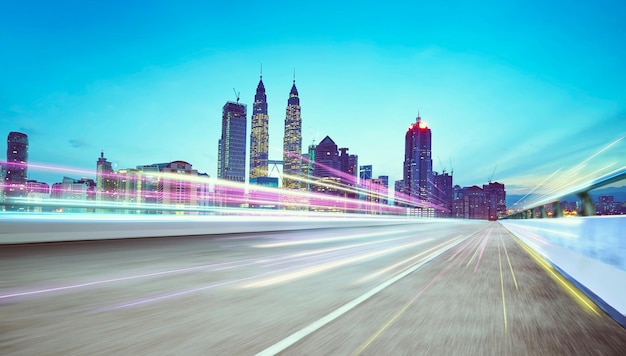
x=375, y=336
x=120, y=279
x=307, y=330
x=323, y=240
x=577, y=295
x=482, y=250
x=566, y=182
x=387, y=269
x=314, y=270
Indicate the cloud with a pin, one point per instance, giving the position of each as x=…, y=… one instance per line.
x=76, y=143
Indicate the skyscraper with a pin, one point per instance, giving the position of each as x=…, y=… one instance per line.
x=328, y=162
x=292, y=141
x=231, y=164
x=418, y=164
x=105, y=180
x=259, y=136
x=17, y=158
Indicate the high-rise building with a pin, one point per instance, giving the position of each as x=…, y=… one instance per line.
x=308, y=166
x=105, y=179
x=259, y=136
x=17, y=158
x=365, y=173
x=442, y=193
x=496, y=200
x=470, y=203
x=176, y=187
x=292, y=141
x=231, y=164
x=418, y=164
x=385, y=183
x=327, y=160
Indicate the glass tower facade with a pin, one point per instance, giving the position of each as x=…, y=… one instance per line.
x=231, y=164
x=259, y=136
x=292, y=141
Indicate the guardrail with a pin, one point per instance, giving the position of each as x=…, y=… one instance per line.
x=581, y=191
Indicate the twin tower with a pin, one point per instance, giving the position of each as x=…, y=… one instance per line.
x=232, y=144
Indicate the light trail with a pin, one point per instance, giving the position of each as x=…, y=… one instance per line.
x=578, y=296
x=324, y=240
x=389, y=268
x=315, y=270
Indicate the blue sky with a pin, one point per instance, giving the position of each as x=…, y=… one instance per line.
x=527, y=86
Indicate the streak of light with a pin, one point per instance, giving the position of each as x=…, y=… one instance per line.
x=382, y=329
x=577, y=295
x=537, y=186
x=482, y=250
x=111, y=280
x=476, y=252
x=324, y=240
x=316, y=325
x=387, y=269
x=331, y=249
x=325, y=267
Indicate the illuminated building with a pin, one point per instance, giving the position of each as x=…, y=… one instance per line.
x=16, y=165
x=292, y=141
x=365, y=172
x=308, y=166
x=418, y=163
x=17, y=158
x=2, y=180
x=496, y=200
x=259, y=136
x=476, y=203
x=231, y=164
x=327, y=162
x=175, y=187
x=105, y=179
x=442, y=193
x=384, y=181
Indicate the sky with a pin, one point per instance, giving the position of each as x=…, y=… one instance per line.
x=520, y=92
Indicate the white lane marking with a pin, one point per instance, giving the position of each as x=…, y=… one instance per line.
x=304, y=332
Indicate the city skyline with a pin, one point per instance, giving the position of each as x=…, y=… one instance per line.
x=523, y=88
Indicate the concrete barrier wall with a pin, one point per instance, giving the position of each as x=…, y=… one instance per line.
x=589, y=251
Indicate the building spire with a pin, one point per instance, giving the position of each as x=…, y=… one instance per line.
x=294, y=75
x=261, y=70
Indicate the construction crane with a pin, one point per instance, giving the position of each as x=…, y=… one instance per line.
x=236, y=94
x=443, y=169
x=492, y=173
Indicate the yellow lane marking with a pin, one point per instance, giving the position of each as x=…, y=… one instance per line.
x=510, y=266
x=502, y=287
x=577, y=295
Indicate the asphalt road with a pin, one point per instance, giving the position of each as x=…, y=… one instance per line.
x=429, y=288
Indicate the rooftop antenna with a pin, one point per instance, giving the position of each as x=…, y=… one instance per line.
x=451, y=169
x=294, y=75
x=236, y=94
